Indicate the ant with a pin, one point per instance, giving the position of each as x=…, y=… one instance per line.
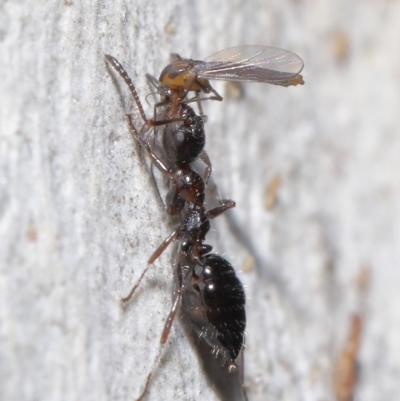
x=211, y=295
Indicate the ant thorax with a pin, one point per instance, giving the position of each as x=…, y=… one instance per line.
x=183, y=140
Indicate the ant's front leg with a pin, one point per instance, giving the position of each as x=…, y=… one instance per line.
x=166, y=331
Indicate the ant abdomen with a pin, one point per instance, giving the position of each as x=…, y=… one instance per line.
x=183, y=141
x=214, y=300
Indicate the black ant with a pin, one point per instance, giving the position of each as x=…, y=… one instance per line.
x=212, y=296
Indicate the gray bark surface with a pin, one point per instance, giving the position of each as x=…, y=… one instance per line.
x=79, y=214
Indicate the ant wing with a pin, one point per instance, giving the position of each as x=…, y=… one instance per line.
x=253, y=63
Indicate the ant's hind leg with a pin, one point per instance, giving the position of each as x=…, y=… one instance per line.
x=156, y=254
x=166, y=331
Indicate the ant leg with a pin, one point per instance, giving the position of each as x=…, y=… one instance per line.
x=156, y=106
x=153, y=81
x=156, y=185
x=166, y=331
x=152, y=166
x=206, y=160
x=157, y=162
x=226, y=205
x=156, y=254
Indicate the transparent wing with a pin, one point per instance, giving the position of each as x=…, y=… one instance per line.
x=253, y=63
